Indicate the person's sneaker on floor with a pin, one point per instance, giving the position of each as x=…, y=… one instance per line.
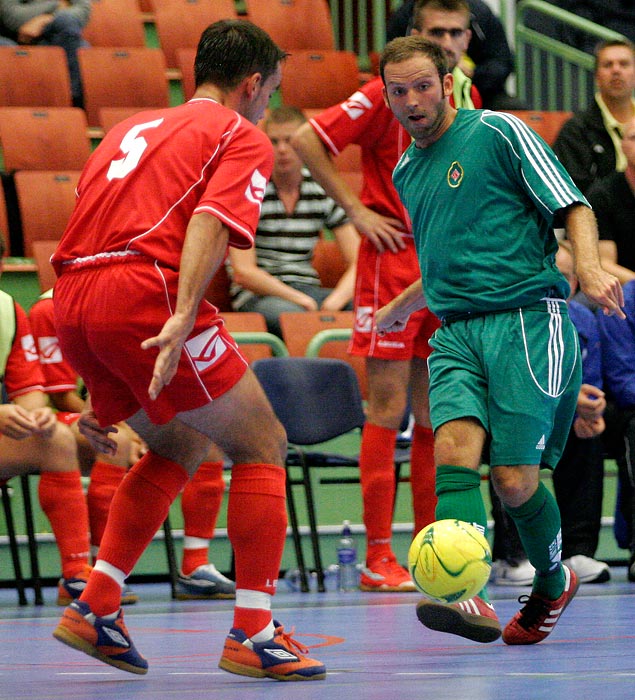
x=386, y=575
x=630, y=574
x=105, y=639
x=536, y=620
x=204, y=582
x=512, y=573
x=588, y=570
x=473, y=619
x=281, y=657
x=69, y=589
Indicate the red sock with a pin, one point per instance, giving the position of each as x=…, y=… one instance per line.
x=137, y=511
x=62, y=500
x=200, y=503
x=257, y=528
x=104, y=480
x=377, y=475
x=422, y=476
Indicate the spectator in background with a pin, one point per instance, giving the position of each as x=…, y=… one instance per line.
x=613, y=200
x=588, y=145
x=31, y=439
x=488, y=61
x=277, y=274
x=48, y=23
x=618, y=357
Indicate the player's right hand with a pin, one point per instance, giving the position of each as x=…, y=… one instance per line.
x=384, y=232
x=96, y=435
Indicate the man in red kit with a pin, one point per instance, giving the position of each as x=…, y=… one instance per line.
x=159, y=202
x=387, y=264
x=201, y=497
x=31, y=439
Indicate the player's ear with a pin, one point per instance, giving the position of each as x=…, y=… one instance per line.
x=448, y=84
x=252, y=83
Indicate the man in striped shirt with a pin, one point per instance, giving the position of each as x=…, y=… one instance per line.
x=483, y=191
x=277, y=274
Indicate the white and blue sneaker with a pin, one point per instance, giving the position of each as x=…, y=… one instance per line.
x=204, y=583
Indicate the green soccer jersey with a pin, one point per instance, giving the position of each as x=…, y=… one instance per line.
x=482, y=201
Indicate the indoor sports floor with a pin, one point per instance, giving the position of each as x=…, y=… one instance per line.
x=372, y=644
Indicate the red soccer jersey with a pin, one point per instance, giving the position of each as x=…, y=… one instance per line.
x=22, y=373
x=59, y=376
x=364, y=119
x=208, y=145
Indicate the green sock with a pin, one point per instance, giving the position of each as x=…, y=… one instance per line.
x=459, y=493
x=538, y=523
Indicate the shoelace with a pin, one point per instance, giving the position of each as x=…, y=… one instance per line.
x=534, y=611
x=287, y=638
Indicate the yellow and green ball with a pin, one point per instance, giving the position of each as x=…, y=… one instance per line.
x=450, y=561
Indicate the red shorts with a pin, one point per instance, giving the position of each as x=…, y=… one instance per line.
x=380, y=278
x=102, y=315
x=67, y=417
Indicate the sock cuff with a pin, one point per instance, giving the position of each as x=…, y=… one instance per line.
x=106, y=472
x=531, y=507
x=162, y=473
x=422, y=431
x=267, y=479
x=453, y=478
x=209, y=471
x=379, y=432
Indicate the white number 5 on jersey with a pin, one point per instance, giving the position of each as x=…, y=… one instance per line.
x=133, y=146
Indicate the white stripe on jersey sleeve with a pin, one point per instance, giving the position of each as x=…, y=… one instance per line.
x=534, y=151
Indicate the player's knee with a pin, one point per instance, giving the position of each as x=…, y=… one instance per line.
x=59, y=451
x=514, y=485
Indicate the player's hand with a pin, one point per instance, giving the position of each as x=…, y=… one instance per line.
x=170, y=342
x=96, y=435
x=383, y=231
x=16, y=422
x=604, y=289
x=585, y=429
x=388, y=319
x=591, y=402
x=45, y=420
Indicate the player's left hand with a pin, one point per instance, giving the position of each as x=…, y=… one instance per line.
x=604, y=289
x=390, y=320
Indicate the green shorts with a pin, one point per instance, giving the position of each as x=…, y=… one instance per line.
x=518, y=372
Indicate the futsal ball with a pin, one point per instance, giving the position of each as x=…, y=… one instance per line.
x=449, y=561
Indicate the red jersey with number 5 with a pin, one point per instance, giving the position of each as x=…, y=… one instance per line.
x=153, y=171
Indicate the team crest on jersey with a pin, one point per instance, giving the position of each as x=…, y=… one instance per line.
x=455, y=174
x=356, y=105
x=29, y=349
x=255, y=191
x=49, y=348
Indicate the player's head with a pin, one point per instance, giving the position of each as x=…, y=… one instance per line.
x=615, y=68
x=233, y=51
x=280, y=124
x=445, y=22
x=417, y=85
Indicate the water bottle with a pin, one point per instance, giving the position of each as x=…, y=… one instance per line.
x=347, y=560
